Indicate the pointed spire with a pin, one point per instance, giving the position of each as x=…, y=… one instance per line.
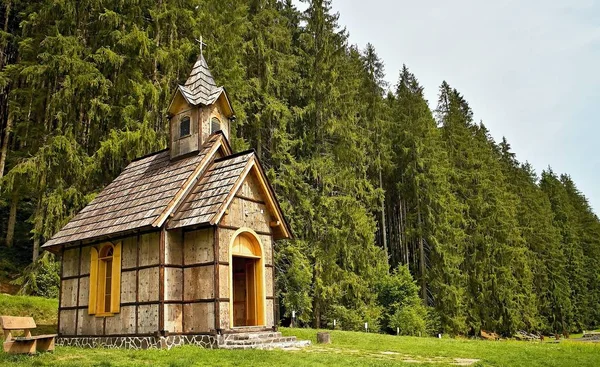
x=200, y=86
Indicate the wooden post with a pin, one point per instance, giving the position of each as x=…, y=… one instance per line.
x=161, y=284
x=216, y=284
x=60, y=289
x=323, y=337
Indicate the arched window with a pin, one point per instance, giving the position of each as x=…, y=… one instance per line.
x=184, y=126
x=215, y=125
x=243, y=245
x=106, y=262
x=105, y=280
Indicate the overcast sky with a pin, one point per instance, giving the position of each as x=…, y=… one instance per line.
x=529, y=69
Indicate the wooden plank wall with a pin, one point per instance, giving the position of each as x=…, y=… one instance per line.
x=245, y=211
x=198, y=282
x=194, y=282
x=139, y=291
x=190, y=143
x=206, y=114
x=173, y=282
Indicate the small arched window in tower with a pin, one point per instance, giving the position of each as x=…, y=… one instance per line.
x=215, y=125
x=184, y=126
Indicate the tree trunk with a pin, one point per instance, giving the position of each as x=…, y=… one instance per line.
x=3, y=52
x=5, y=145
x=421, y=255
x=37, y=228
x=36, y=248
x=383, y=222
x=12, y=221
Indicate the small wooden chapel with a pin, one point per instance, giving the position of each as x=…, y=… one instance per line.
x=178, y=249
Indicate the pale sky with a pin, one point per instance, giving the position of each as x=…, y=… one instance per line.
x=529, y=69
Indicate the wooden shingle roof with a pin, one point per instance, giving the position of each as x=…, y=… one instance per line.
x=207, y=202
x=211, y=192
x=143, y=195
x=200, y=87
x=157, y=192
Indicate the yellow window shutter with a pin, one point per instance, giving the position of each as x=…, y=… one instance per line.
x=93, y=287
x=116, y=280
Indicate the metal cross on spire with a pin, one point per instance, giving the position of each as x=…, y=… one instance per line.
x=202, y=44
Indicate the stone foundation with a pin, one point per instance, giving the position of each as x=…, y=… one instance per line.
x=138, y=342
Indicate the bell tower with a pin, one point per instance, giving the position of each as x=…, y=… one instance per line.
x=199, y=108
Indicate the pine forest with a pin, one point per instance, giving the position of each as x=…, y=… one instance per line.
x=406, y=213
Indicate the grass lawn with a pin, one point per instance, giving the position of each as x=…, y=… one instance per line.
x=43, y=310
x=347, y=349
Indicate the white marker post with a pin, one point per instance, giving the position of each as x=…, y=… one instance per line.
x=397, y=331
x=366, y=327
x=334, y=324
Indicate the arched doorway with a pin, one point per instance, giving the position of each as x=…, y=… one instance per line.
x=247, y=306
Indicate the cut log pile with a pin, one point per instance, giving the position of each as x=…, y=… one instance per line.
x=523, y=335
x=489, y=335
x=591, y=336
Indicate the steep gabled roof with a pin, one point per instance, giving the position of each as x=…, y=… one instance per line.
x=213, y=194
x=200, y=87
x=201, y=206
x=142, y=196
x=154, y=190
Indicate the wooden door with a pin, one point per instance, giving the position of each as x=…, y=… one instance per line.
x=239, y=292
x=251, y=292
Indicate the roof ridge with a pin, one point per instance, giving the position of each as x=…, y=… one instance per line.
x=187, y=187
x=234, y=155
x=148, y=155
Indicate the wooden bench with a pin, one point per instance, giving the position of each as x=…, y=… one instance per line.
x=27, y=343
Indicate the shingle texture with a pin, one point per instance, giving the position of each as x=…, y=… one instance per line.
x=211, y=192
x=136, y=198
x=200, y=87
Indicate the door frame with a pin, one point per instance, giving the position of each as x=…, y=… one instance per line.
x=261, y=301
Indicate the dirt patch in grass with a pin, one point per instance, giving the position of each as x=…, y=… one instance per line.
x=395, y=356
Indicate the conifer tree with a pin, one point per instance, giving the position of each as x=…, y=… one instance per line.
x=498, y=275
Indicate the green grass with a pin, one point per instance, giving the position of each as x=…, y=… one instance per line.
x=347, y=349
x=43, y=310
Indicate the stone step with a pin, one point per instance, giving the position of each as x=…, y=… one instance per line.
x=277, y=345
x=247, y=329
x=261, y=341
x=248, y=336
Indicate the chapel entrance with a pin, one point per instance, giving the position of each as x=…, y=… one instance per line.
x=247, y=291
x=244, y=291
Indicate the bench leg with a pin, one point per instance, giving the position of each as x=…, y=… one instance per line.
x=20, y=347
x=45, y=345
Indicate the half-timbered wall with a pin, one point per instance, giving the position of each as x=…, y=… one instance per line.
x=247, y=210
x=199, y=301
x=171, y=281
x=139, y=311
